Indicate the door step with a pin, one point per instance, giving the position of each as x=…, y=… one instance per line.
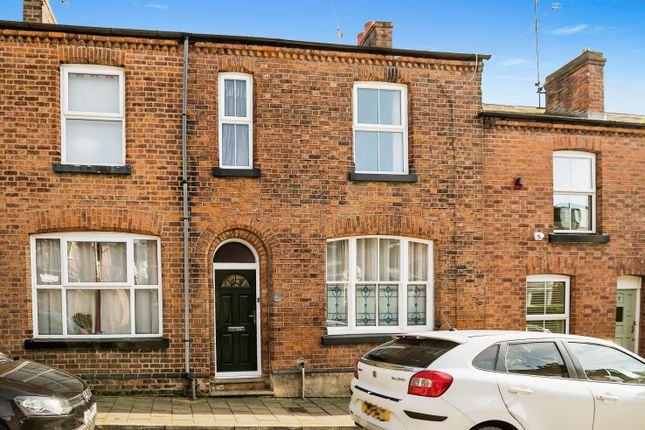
x=241, y=393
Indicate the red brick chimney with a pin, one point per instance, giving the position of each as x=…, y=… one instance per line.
x=377, y=34
x=578, y=87
x=37, y=11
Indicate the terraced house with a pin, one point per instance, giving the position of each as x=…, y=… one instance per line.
x=202, y=213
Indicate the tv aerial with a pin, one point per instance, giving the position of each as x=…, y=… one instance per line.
x=339, y=31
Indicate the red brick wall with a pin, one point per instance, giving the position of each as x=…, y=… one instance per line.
x=303, y=146
x=525, y=149
x=36, y=200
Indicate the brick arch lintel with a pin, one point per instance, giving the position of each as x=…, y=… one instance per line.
x=393, y=225
x=95, y=219
x=253, y=231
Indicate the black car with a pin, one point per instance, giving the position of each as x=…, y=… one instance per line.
x=35, y=396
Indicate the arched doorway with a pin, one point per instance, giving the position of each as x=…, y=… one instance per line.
x=237, y=310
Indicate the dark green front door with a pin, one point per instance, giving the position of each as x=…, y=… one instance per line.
x=236, y=334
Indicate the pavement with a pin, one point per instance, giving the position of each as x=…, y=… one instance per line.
x=227, y=413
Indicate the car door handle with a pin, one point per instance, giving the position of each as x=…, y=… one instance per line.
x=520, y=390
x=607, y=398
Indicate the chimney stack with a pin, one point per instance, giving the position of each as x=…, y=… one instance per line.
x=37, y=11
x=578, y=88
x=377, y=34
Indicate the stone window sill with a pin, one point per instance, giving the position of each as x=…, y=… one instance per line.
x=380, y=177
x=355, y=339
x=578, y=238
x=131, y=344
x=218, y=172
x=78, y=168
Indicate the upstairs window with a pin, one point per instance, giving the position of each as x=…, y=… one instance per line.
x=378, y=284
x=235, y=121
x=93, y=115
x=547, y=303
x=380, y=128
x=96, y=285
x=574, y=191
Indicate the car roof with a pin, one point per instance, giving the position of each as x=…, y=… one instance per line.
x=490, y=336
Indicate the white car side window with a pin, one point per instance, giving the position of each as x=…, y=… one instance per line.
x=537, y=359
x=605, y=364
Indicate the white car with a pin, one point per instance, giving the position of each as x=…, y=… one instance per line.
x=492, y=380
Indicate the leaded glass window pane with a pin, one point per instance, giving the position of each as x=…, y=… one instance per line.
x=366, y=305
x=388, y=305
x=336, y=305
x=417, y=304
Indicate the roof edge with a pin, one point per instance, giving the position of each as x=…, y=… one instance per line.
x=561, y=119
x=247, y=40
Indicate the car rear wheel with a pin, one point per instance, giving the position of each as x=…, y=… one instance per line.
x=489, y=428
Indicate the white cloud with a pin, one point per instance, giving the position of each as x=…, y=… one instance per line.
x=156, y=6
x=569, y=30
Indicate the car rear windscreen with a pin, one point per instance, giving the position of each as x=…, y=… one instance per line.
x=411, y=351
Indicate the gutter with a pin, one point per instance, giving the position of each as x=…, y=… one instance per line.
x=240, y=40
x=186, y=218
x=539, y=117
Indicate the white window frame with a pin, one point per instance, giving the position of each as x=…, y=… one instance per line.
x=68, y=114
x=589, y=192
x=550, y=317
x=65, y=284
x=403, y=128
x=403, y=282
x=224, y=119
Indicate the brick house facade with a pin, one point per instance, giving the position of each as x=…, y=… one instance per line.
x=300, y=199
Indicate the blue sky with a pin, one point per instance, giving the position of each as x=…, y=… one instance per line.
x=502, y=28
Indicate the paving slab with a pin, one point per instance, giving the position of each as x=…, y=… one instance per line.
x=226, y=413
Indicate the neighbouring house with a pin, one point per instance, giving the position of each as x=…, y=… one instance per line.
x=302, y=201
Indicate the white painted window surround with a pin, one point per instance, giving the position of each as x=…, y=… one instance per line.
x=379, y=284
x=92, y=115
x=547, y=303
x=235, y=124
x=574, y=192
x=380, y=128
x=96, y=285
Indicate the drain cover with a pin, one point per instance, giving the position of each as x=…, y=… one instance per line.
x=297, y=409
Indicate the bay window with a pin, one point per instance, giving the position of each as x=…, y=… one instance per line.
x=379, y=284
x=96, y=285
x=93, y=115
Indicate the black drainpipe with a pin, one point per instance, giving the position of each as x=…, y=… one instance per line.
x=186, y=219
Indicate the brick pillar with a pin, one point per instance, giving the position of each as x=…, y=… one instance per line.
x=377, y=34
x=578, y=87
x=37, y=11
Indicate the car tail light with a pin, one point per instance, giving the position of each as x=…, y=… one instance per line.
x=356, y=370
x=429, y=383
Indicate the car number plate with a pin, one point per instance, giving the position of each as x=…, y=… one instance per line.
x=375, y=411
x=89, y=415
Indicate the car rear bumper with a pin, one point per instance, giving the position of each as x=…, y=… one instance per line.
x=409, y=413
